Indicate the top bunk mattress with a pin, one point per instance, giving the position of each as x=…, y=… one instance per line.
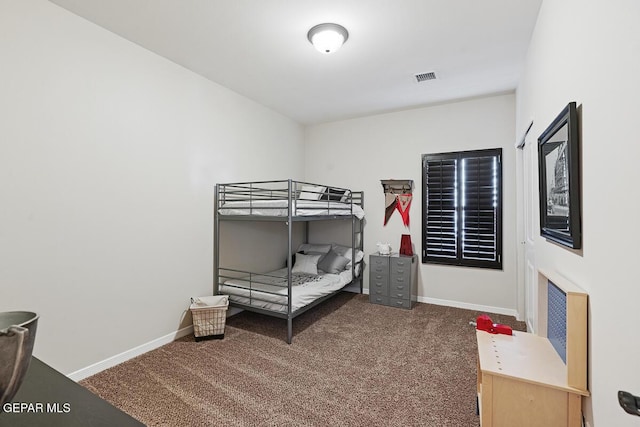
x=281, y=208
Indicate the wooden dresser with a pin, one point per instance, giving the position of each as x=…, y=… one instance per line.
x=523, y=382
x=529, y=380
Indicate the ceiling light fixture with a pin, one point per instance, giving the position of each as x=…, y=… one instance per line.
x=327, y=38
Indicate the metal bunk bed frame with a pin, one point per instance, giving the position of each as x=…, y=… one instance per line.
x=292, y=194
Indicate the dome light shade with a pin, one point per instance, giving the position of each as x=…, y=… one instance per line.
x=327, y=38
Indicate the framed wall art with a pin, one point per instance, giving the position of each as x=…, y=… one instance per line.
x=559, y=174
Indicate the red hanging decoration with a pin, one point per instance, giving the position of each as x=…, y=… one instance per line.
x=397, y=196
x=403, y=205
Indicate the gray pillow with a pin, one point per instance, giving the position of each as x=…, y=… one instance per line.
x=333, y=263
x=306, y=264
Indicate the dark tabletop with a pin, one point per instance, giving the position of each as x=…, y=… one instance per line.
x=49, y=398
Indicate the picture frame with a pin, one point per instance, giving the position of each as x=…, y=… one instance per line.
x=559, y=178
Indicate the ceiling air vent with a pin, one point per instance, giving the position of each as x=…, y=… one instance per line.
x=425, y=76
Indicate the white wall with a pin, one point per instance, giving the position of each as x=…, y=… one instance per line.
x=108, y=158
x=589, y=52
x=358, y=153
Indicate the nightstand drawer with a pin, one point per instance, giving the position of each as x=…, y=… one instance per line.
x=380, y=274
x=378, y=299
x=400, y=280
x=401, y=263
x=379, y=262
x=377, y=287
x=380, y=267
x=401, y=266
x=379, y=277
x=400, y=292
x=404, y=303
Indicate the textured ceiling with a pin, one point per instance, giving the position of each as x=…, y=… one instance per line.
x=259, y=48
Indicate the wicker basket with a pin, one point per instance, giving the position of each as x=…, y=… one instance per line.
x=209, y=316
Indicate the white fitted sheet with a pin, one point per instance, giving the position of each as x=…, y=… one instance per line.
x=301, y=294
x=279, y=207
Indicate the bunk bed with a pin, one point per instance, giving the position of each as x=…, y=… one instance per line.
x=313, y=272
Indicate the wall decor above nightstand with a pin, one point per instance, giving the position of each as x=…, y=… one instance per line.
x=397, y=196
x=393, y=280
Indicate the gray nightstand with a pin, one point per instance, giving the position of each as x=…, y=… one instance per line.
x=393, y=280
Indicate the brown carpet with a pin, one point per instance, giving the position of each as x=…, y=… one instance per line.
x=351, y=363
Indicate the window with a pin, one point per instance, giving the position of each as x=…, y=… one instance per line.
x=462, y=211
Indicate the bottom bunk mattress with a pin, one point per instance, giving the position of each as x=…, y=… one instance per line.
x=269, y=290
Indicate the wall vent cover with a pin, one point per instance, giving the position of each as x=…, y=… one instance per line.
x=423, y=77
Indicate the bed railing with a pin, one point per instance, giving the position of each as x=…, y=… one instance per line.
x=301, y=196
x=250, y=279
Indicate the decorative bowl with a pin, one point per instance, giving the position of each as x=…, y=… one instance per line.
x=17, y=336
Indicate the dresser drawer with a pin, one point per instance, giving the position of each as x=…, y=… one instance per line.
x=398, y=280
x=396, y=302
x=400, y=292
x=378, y=299
x=379, y=273
x=378, y=287
x=379, y=263
x=400, y=266
x=379, y=276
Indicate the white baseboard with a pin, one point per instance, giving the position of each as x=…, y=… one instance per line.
x=129, y=354
x=468, y=306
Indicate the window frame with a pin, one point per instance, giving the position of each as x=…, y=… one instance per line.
x=497, y=188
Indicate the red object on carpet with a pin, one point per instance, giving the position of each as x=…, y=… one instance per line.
x=484, y=323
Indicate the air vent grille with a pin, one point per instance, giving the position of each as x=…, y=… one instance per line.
x=423, y=77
